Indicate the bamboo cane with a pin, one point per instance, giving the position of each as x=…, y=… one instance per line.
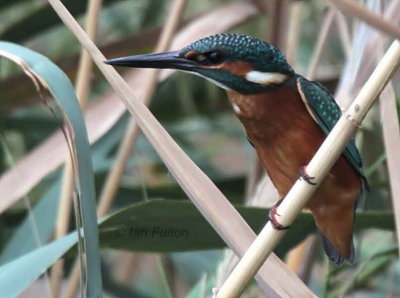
x=318, y=167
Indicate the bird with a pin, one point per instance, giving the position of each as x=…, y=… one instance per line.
x=285, y=117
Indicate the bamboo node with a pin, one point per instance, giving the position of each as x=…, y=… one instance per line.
x=355, y=122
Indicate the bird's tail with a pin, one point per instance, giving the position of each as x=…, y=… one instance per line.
x=335, y=225
x=334, y=256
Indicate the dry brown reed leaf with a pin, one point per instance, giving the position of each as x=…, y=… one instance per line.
x=104, y=113
x=392, y=14
x=356, y=9
x=363, y=52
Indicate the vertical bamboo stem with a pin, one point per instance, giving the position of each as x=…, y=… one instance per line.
x=344, y=33
x=318, y=167
x=391, y=139
x=131, y=134
x=293, y=31
x=322, y=36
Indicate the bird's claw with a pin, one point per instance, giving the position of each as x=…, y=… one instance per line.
x=307, y=178
x=272, y=217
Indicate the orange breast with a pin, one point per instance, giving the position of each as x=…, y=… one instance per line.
x=283, y=133
x=286, y=137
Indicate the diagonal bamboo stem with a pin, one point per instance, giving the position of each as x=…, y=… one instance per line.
x=203, y=193
x=318, y=167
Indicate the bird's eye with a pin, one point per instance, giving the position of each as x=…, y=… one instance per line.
x=202, y=59
x=215, y=57
x=210, y=58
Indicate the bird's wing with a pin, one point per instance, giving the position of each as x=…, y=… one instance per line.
x=325, y=111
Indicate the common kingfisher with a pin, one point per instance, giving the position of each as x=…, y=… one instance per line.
x=286, y=118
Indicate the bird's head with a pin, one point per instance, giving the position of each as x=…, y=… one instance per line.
x=232, y=61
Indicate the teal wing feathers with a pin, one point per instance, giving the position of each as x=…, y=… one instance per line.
x=325, y=111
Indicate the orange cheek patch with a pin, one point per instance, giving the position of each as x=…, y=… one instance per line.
x=237, y=68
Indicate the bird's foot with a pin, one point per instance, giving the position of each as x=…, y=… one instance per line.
x=272, y=217
x=307, y=178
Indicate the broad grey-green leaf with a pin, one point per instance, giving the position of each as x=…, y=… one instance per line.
x=47, y=75
x=170, y=226
x=20, y=273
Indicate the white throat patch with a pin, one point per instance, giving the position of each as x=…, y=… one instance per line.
x=265, y=78
x=211, y=80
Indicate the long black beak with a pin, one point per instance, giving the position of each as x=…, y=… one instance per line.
x=160, y=60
